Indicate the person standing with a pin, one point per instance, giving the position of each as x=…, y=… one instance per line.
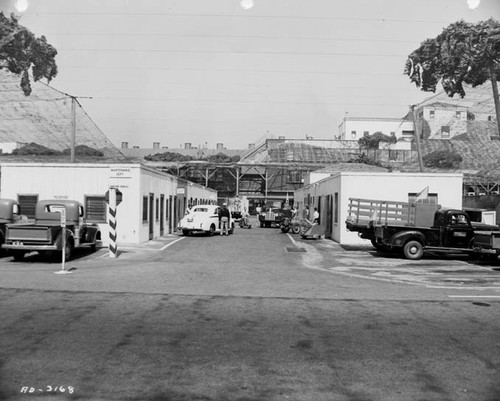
x=316, y=216
x=224, y=215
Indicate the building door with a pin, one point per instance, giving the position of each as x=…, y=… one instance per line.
x=151, y=215
x=329, y=216
x=170, y=214
x=319, y=210
x=176, y=208
x=162, y=213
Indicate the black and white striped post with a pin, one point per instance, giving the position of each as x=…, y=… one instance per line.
x=113, y=246
x=113, y=197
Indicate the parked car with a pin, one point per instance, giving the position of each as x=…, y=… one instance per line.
x=203, y=219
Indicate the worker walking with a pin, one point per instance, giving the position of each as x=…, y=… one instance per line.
x=224, y=215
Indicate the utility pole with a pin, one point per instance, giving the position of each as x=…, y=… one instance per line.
x=417, y=138
x=74, y=102
x=73, y=128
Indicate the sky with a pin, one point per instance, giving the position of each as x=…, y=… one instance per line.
x=234, y=71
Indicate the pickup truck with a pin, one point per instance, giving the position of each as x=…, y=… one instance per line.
x=413, y=228
x=9, y=214
x=45, y=233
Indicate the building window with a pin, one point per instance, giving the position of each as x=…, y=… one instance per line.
x=445, y=131
x=353, y=134
x=294, y=177
x=408, y=133
x=144, y=209
x=27, y=204
x=431, y=114
x=157, y=207
x=489, y=118
x=459, y=114
x=95, y=209
x=393, y=154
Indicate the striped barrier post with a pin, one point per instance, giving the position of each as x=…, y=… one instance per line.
x=113, y=246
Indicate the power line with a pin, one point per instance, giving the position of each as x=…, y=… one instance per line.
x=253, y=71
x=232, y=101
x=246, y=16
x=264, y=37
x=108, y=50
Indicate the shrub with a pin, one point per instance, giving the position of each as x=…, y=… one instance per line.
x=442, y=159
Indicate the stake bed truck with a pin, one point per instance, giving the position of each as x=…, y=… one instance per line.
x=413, y=228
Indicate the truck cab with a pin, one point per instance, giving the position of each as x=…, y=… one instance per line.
x=9, y=214
x=455, y=228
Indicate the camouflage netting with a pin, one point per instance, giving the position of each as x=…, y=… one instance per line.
x=45, y=118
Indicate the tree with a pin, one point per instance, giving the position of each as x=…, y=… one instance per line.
x=21, y=53
x=464, y=53
x=373, y=141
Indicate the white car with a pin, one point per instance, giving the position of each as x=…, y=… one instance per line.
x=203, y=218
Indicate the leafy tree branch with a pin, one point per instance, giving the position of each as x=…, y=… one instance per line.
x=21, y=53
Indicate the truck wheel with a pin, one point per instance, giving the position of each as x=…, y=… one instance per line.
x=18, y=255
x=295, y=228
x=69, y=250
x=413, y=250
x=185, y=232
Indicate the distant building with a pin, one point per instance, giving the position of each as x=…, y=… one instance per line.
x=444, y=117
x=354, y=128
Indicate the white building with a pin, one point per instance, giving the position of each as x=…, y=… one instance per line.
x=153, y=202
x=354, y=128
x=331, y=195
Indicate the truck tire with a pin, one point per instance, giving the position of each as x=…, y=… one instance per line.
x=185, y=232
x=295, y=228
x=18, y=255
x=413, y=250
x=69, y=250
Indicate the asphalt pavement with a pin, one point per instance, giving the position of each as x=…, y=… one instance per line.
x=258, y=315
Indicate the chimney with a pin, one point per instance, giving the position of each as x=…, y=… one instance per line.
x=124, y=145
x=136, y=147
x=251, y=146
x=220, y=146
x=156, y=145
x=281, y=137
x=187, y=145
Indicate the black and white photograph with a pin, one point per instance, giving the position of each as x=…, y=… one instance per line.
x=249, y=200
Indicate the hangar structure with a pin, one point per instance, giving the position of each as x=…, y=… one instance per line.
x=271, y=170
